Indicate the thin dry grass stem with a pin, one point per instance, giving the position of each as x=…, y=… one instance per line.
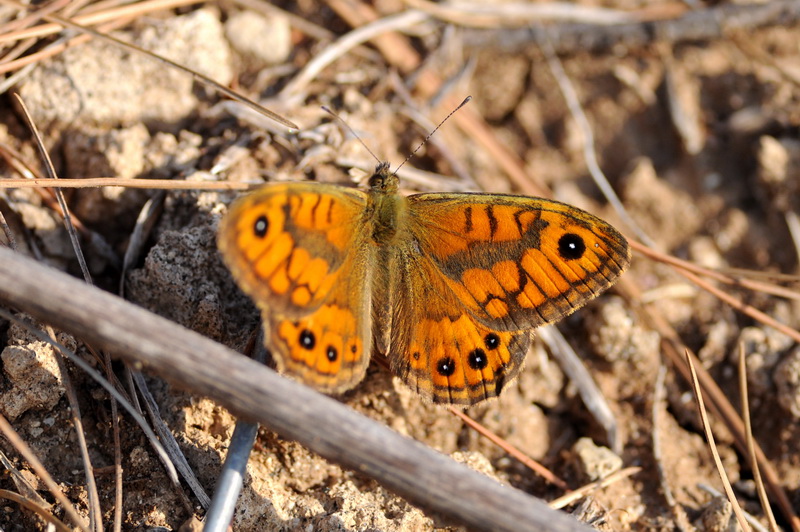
x=305, y=26
x=91, y=486
x=48, y=164
x=587, y=141
x=103, y=363
x=38, y=468
x=659, y=400
x=52, y=50
x=97, y=377
x=581, y=378
x=776, y=277
x=28, y=20
x=44, y=189
x=737, y=304
x=392, y=46
x=43, y=512
x=12, y=241
x=68, y=23
x=117, y=458
x=22, y=66
x=516, y=14
x=117, y=467
x=294, y=90
x=744, y=41
x=672, y=23
x=698, y=394
x=94, y=182
x=673, y=348
x=95, y=513
x=148, y=215
x=751, y=448
x=174, y=457
x=133, y=10
x=742, y=307
x=23, y=45
x=732, y=277
x=751, y=520
x=91, y=6
x=793, y=223
x=15, y=160
x=23, y=485
x=527, y=461
x=583, y=491
x=399, y=53
x=420, y=177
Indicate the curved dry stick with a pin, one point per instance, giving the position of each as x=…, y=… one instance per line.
x=254, y=392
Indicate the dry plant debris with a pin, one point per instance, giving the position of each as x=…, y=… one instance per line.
x=696, y=132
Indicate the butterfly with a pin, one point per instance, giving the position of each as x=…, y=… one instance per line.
x=449, y=287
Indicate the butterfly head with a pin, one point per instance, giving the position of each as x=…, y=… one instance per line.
x=383, y=181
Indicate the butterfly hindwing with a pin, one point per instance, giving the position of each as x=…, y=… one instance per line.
x=440, y=349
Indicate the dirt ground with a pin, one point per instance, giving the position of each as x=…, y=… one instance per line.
x=699, y=138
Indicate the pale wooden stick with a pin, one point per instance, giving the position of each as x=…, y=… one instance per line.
x=254, y=392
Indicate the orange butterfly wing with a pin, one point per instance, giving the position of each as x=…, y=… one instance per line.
x=295, y=249
x=476, y=272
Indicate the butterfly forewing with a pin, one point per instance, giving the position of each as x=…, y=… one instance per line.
x=294, y=248
x=517, y=262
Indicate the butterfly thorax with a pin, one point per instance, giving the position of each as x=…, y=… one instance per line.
x=385, y=205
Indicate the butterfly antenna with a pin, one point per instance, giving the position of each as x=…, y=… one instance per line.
x=351, y=130
x=421, y=144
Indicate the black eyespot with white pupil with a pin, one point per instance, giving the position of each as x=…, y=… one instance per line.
x=571, y=246
x=331, y=353
x=477, y=359
x=446, y=366
x=492, y=341
x=307, y=339
x=261, y=226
